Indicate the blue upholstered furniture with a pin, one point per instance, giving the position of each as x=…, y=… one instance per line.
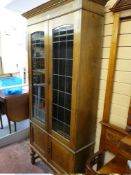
x=11, y=81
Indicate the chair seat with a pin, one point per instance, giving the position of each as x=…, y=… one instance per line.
x=117, y=165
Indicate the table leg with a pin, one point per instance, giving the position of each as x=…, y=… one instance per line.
x=9, y=123
x=15, y=126
x=1, y=121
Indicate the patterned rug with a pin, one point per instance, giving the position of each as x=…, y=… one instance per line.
x=15, y=158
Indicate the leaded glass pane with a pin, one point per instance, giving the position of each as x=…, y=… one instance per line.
x=38, y=75
x=62, y=79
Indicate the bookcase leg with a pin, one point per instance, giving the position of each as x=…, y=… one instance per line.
x=33, y=156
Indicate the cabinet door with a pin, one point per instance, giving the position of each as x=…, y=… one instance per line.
x=38, y=140
x=61, y=31
x=38, y=73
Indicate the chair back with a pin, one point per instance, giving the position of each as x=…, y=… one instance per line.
x=17, y=107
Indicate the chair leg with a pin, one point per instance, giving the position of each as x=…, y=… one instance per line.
x=9, y=123
x=15, y=126
x=1, y=121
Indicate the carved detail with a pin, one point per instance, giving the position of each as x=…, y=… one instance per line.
x=113, y=138
x=121, y=5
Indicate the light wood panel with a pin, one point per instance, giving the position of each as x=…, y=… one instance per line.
x=121, y=65
x=100, y=103
x=108, y=29
x=120, y=122
x=117, y=87
x=101, y=94
x=125, y=27
x=121, y=100
x=124, y=40
x=122, y=88
x=119, y=111
x=124, y=53
x=107, y=41
x=122, y=77
x=103, y=75
x=102, y=85
x=105, y=52
x=99, y=116
x=104, y=63
x=108, y=18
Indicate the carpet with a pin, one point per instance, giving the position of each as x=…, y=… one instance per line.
x=15, y=158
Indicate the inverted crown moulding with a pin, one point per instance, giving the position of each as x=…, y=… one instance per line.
x=121, y=5
x=52, y=4
x=102, y=2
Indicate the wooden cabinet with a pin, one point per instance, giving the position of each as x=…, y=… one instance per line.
x=64, y=59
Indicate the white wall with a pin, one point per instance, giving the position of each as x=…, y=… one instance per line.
x=13, y=48
x=122, y=82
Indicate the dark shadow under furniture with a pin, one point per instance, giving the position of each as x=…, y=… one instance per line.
x=16, y=107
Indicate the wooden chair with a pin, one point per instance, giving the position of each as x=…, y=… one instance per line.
x=2, y=107
x=17, y=108
x=118, y=165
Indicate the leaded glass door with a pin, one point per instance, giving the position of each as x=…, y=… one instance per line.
x=38, y=77
x=61, y=65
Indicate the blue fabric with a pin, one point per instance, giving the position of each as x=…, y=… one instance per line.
x=11, y=81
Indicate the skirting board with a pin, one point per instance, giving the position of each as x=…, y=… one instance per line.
x=14, y=137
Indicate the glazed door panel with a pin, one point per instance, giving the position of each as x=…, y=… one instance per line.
x=61, y=32
x=39, y=73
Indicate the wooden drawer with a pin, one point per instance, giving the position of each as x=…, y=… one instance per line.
x=125, y=147
x=60, y=157
x=38, y=139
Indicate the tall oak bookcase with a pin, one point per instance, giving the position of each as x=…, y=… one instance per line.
x=64, y=57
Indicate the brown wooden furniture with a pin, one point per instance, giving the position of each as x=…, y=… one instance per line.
x=116, y=141
x=2, y=108
x=113, y=138
x=16, y=107
x=64, y=54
